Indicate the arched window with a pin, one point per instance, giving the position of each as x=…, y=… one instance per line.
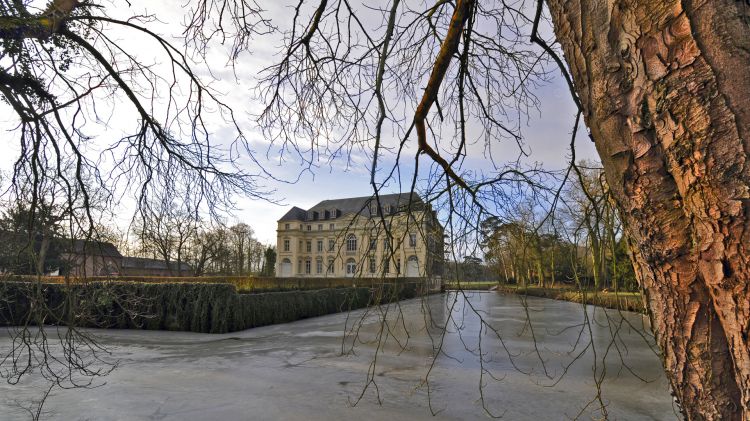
x=286, y=268
x=412, y=266
x=351, y=243
x=351, y=267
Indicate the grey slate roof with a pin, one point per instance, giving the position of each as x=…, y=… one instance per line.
x=294, y=214
x=354, y=205
x=95, y=248
x=146, y=263
x=66, y=245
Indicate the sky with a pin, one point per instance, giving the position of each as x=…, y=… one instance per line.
x=546, y=133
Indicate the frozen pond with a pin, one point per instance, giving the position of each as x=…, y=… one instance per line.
x=297, y=371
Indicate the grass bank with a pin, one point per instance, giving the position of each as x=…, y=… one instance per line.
x=629, y=301
x=470, y=285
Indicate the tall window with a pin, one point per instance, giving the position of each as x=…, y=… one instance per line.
x=398, y=266
x=331, y=227
x=319, y=265
x=329, y=269
x=309, y=246
x=387, y=266
x=320, y=227
x=413, y=239
x=372, y=264
x=286, y=245
x=286, y=227
x=331, y=244
x=351, y=243
x=386, y=244
x=373, y=244
x=299, y=266
x=320, y=246
x=307, y=266
x=309, y=227
x=301, y=246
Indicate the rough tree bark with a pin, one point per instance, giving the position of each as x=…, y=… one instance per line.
x=665, y=91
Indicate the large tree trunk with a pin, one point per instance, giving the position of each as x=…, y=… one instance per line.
x=665, y=89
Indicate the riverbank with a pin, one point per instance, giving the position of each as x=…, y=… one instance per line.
x=470, y=286
x=628, y=301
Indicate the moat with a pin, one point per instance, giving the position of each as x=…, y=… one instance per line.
x=296, y=371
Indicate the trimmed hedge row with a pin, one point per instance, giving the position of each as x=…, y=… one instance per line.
x=195, y=307
x=242, y=283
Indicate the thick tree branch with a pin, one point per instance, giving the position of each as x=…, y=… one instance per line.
x=448, y=48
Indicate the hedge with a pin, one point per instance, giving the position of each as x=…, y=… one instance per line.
x=242, y=283
x=194, y=307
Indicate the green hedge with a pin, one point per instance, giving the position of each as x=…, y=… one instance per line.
x=195, y=307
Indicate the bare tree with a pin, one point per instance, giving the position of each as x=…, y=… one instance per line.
x=165, y=232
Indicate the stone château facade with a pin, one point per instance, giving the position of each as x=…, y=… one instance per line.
x=355, y=237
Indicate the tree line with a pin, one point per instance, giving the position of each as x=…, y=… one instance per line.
x=189, y=246
x=580, y=240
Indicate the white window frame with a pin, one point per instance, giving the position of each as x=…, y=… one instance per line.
x=351, y=242
x=351, y=267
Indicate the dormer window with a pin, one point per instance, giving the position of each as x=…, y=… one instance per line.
x=373, y=209
x=388, y=209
